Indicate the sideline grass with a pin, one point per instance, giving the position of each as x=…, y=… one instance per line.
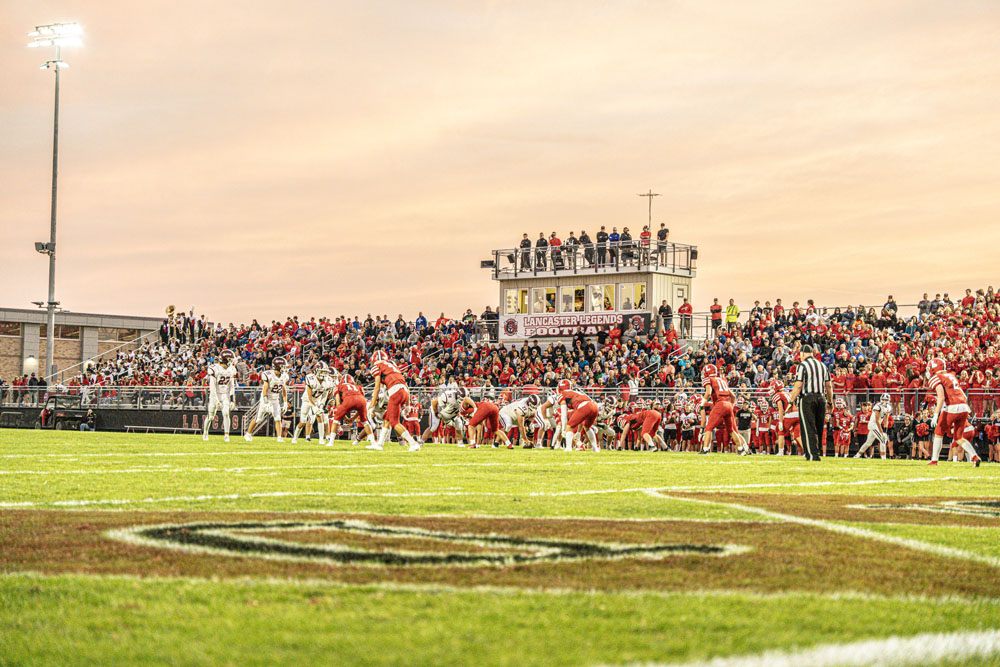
x=100, y=621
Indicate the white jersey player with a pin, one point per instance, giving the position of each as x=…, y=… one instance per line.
x=221, y=390
x=514, y=414
x=547, y=419
x=273, y=397
x=446, y=409
x=319, y=387
x=604, y=426
x=876, y=427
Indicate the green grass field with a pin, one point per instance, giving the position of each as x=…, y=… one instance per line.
x=119, y=548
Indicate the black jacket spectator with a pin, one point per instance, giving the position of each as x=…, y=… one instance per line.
x=588, y=252
x=602, y=247
x=541, y=245
x=525, y=252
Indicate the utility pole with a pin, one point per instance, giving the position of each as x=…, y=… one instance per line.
x=649, y=195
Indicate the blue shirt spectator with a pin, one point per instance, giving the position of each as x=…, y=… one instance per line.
x=421, y=321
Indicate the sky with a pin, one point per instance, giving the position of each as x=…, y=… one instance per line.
x=325, y=158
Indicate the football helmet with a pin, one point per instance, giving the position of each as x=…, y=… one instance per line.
x=279, y=363
x=775, y=388
x=322, y=369
x=226, y=357
x=461, y=392
x=739, y=402
x=839, y=403
x=347, y=378
x=709, y=371
x=935, y=365
x=885, y=399
x=531, y=400
x=563, y=386
x=610, y=402
x=379, y=355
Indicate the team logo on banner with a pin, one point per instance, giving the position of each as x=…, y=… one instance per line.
x=510, y=326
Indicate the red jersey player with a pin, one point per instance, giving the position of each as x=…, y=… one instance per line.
x=951, y=412
x=582, y=416
x=347, y=398
x=484, y=422
x=842, y=420
x=648, y=422
x=388, y=375
x=787, y=419
x=717, y=391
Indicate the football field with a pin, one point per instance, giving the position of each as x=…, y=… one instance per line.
x=122, y=548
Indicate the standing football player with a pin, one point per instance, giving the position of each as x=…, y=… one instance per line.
x=388, y=376
x=722, y=415
x=877, y=425
x=951, y=412
x=221, y=390
x=842, y=419
x=273, y=397
x=319, y=385
x=787, y=419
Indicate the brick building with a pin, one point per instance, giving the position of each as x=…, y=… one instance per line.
x=78, y=337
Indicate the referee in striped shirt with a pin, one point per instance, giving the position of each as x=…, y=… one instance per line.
x=812, y=390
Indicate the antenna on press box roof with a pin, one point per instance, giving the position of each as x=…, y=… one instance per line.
x=650, y=196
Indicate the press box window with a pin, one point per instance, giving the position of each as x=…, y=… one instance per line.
x=633, y=296
x=602, y=297
x=543, y=300
x=516, y=301
x=572, y=299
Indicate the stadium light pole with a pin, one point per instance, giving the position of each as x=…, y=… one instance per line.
x=57, y=35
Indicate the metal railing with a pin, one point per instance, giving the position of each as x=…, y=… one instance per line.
x=634, y=255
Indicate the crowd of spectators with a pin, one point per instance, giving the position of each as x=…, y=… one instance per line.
x=870, y=351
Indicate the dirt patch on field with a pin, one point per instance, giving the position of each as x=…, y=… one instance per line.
x=779, y=557
x=927, y=510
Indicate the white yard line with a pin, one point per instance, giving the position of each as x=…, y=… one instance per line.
x=778, y=485
x=896, y=651
x=654, y=491
x=926, y=547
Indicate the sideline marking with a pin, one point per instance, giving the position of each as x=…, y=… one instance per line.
x=919, y=649
x=927, y=547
